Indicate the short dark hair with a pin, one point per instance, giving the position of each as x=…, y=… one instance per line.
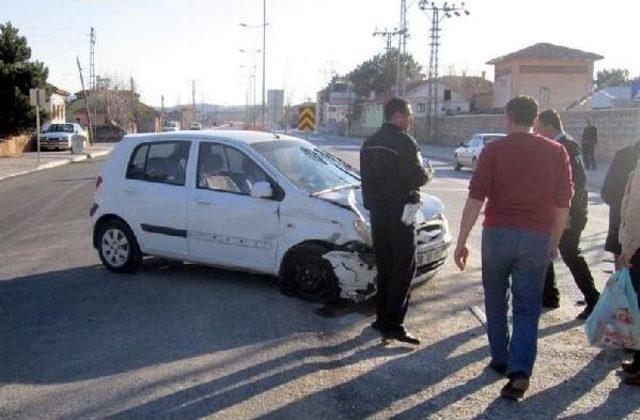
x=522, y=110
x=551, y=118
x=393, y=106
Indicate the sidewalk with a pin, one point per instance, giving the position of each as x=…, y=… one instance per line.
x=28, y=162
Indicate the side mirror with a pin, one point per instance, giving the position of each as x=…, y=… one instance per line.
x=261, y=190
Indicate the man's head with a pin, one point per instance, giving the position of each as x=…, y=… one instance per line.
x=521, y=113
x=397, y=111
x=549, y=123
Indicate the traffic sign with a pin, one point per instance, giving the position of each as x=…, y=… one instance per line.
x=307, y=118
x=37, y=97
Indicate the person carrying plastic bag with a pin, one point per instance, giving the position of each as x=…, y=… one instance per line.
x=615, y=321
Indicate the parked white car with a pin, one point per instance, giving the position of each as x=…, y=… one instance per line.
x=249, y=201
x=170, y=126
x=468, y=154
x=195, y=126
x=61, y=136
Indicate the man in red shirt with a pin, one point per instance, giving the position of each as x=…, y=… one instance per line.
x=525, y=180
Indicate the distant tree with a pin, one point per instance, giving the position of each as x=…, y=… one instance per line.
x=17, y=75
x=378, y=74
x=612, y=77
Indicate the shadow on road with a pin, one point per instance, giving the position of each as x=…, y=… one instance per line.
x=86, y=322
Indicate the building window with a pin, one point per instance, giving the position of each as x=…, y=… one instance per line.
x=447, y=94
x=332, y=109
x=545, y=95
x=422, y=107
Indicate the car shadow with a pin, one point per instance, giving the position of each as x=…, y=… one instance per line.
x=87, y=322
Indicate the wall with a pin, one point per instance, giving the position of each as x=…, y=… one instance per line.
x=616, y=127
x=566, y=80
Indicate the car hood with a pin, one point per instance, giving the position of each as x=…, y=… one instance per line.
x=56, y=134
x=460, y=149
x=351, y=199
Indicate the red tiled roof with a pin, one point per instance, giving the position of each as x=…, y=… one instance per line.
x=548, y=51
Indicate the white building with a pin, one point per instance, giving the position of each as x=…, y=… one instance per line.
x=456, y=95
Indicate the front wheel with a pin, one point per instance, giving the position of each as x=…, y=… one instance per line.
x=308, y=276
x=456, y=163
x=118, y=248
x=474, y=164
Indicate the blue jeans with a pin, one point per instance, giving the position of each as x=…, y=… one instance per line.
x=522, y=255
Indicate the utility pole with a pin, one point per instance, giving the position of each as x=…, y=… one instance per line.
x=86, y=104
x=133, y=103
x=264, y=60
x=437, y=13
x=403, y=33
x=92, y=60
x=389, y=36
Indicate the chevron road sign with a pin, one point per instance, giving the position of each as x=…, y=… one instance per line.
x=307, y=118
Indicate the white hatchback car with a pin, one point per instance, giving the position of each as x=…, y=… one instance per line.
x=250, y=201
x=468, y=154
x=61, y=136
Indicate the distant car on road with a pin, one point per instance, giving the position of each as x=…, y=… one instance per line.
x=61, y=136
x=250, y=201
x=170, y=126
x=195, y=126
x=468, y=154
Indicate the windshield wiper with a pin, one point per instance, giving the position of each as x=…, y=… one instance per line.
x=341, y=187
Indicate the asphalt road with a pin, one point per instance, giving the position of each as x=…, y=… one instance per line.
x=185, y=341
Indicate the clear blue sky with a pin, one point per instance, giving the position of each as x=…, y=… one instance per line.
x=164, y=44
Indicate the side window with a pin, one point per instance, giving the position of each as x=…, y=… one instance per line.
x=225, y=169
x=164, y=162
x=135, y=169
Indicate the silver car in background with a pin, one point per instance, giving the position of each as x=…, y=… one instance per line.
x=468, y=154
x=61, y=136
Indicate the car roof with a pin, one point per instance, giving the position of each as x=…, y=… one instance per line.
x=489, y=134
x=231, y=136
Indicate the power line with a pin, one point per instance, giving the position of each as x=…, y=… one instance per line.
x=437, y=13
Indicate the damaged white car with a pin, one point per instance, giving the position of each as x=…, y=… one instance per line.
x=248, y=201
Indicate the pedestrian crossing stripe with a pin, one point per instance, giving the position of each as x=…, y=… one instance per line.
x=307, y=119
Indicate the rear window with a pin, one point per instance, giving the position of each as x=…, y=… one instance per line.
x=164, y=162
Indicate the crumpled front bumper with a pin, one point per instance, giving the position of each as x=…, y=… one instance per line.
x=356, y=271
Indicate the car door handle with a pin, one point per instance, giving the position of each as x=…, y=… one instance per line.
x=130, y=190
x=202, y=200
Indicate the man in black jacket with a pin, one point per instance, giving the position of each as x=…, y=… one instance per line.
x=589, y=142
x=550, y=125
x=623, y=163
x=392, y=173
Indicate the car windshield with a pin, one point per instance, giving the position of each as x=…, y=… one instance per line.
x=60, y=128
x=308, y=167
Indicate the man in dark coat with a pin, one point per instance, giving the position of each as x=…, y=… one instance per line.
x=392, y=173
x=589, y=142
x=550, y=126
x=612, y=192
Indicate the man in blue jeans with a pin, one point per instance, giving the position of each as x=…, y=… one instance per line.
x=525, y=180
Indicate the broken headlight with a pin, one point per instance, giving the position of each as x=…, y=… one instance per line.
x=364, y=230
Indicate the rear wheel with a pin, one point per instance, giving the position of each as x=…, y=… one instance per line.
x=456, y=163
x=474, y=164
x=308, y=276
x=118, y=248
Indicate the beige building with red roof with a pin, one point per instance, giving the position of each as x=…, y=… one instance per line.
x=556, y=76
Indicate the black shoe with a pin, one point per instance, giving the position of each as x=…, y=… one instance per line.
x=587, y=311
x=515, y=388
x=402, y=336
x=630, y=368
x=499, y=368
x=551, y=304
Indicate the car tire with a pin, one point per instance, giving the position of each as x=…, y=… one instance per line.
x=474, y=164
x=308, y=276
x=456, y=164
x=118, y=247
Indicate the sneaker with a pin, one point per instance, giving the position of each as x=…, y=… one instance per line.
x=587, y=311
x=630, y=367
x=515, y=388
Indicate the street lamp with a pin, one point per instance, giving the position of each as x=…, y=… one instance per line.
x=263, y=50
x=252, y=78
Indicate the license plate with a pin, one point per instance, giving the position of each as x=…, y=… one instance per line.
x=425, y=257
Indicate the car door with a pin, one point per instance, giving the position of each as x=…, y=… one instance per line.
x=466, y=156
x=227, y=226
x=155, y=196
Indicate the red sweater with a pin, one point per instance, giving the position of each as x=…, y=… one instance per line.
x=524, y=177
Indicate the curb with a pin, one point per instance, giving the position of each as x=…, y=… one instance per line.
x=57, y=163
